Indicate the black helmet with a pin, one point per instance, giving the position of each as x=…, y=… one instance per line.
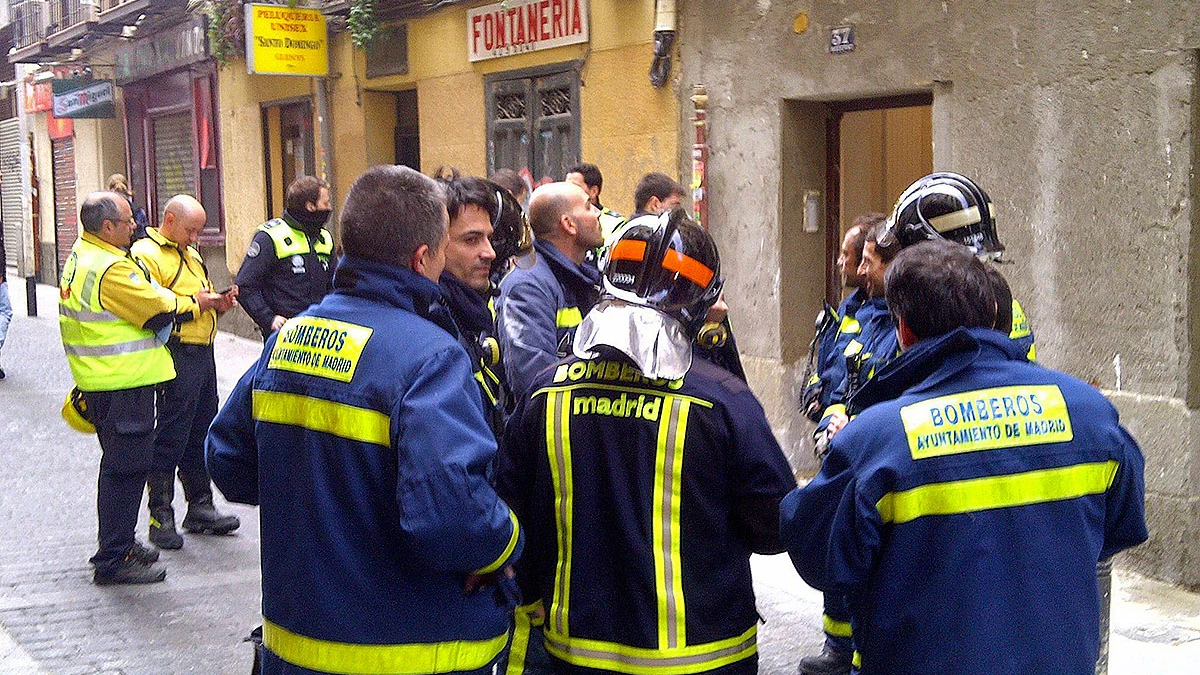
x=667, y=262
x=511, y=234
x=943, y=206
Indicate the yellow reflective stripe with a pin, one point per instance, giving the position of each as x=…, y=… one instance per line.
x=568, y=317
x=997, y=492
x=835, y=409
x=856, y=660
x=1031, y=355
x=558, y=446
x=364, y=659
x=640, y=661
x=315, y=414
x=508, y=550
x=84, y=314
x=520, y=644
x=849, y=325
x=483, y=386
x=835, y=627
x=668, y=572
x=853, y=348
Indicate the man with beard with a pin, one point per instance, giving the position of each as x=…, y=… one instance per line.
x=289, y=264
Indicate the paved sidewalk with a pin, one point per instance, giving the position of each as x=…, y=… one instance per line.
x=54, y=621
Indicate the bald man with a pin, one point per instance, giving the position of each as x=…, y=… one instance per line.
x=187, y=404
x=541, y=304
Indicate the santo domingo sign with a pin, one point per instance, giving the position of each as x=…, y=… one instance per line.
x=282, y=40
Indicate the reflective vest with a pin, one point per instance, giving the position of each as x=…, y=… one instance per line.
x=289, y=241
x=105, y=352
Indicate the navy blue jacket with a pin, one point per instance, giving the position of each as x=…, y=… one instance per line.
x=873, y=346
x=965, y=514
x=538, y=311
x=361, y=434
x=665, y=489
x=270, y=285
x=833, y=336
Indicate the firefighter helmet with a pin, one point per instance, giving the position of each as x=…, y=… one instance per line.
x=511, y=235
x=75, y=412
x=666, y=262
x=943, y=206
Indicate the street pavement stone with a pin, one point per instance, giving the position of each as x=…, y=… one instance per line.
x=53, y=620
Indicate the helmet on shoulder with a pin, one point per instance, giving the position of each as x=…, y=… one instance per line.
x=944, y=205
x=511, y=235
x=666, y=262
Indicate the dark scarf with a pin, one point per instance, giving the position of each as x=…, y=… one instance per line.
x=469, y=306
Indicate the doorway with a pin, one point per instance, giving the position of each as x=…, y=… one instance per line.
x=287, y=147
x=876, y=148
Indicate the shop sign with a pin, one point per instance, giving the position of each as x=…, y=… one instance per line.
x=39, y=96
x=282, y=40
x=82, y=98
x=520, y=26
x=167, y=49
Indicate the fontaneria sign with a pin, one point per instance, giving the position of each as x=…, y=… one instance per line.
x=519, y=26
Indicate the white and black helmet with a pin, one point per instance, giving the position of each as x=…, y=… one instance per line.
x=943, y=205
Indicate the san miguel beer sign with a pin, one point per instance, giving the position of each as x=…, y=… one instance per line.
x=84, y=98
x=519, y=26
x=282, y=40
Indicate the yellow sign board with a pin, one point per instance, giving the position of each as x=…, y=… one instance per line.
x=282, y=40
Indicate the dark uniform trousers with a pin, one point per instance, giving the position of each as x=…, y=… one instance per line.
x=124, y=422
x=187, y=405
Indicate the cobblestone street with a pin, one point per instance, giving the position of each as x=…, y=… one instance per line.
x=54, y=621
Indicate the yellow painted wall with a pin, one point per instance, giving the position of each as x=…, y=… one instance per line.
x=242, y=162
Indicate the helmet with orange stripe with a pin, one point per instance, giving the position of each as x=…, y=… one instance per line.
x=666, y=262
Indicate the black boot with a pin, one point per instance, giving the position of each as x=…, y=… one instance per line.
x=202, y=516
x=828, y=662
x=128, y=571
x=161, y=487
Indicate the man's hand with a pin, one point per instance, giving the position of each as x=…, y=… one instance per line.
x=836, y=422
x=278, y=322
x=718, y=311
x=475, y=582
x=209, y=300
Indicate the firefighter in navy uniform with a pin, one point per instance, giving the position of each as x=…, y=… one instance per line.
x=645, y=477
x=543, y=299
x=289, y=264
x=361, y=434
x=836, y=328
x=487, y=229
x=965, y=509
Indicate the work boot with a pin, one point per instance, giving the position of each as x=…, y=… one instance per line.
x=128, y=571
x=829, y=662
x=202, y=516
x=144, y=553
x=161, y=486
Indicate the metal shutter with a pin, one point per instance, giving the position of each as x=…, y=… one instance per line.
x=11, y=191
x=174, y=159
x=66, y=218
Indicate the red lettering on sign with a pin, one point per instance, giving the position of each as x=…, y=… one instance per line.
x=489, y=32
x=543, y=20
x=501, y=31
x=576, y=22
x=475, y=32
x=556, y=18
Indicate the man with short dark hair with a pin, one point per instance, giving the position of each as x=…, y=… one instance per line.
x=187, y=404
x=656, y=193
x=360, y=434
x=588, y=177
x=966, y=507
x=289, y=264
x=540, y=307
x=115, y=321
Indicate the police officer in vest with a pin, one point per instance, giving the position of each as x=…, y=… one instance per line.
x=645, y=477
x=542, y=301
x=379, y=526
x=115, y=321
x=188, y=403
x=289, y=264
x=964, y=510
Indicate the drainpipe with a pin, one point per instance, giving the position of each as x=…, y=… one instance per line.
x=664, y=40
x=700, y=156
